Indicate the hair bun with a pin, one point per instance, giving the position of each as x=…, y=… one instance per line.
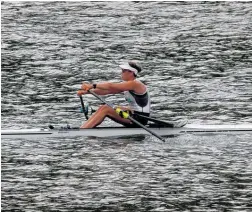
x=135, y=65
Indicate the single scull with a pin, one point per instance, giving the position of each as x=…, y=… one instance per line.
x=123, y=131
x=158, y=129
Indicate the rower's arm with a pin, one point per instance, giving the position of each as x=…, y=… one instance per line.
x=109, y=87
x=97, y=91
x=114, y=88
x=101, y=92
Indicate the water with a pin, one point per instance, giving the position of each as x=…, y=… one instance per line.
x=197, y=64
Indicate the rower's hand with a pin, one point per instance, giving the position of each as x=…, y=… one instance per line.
x=86, y=86
x=81, y=92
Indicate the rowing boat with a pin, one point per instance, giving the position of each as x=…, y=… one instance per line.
x=123, y=131
x=158, y=129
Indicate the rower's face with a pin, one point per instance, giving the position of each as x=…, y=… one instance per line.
x=126, y=74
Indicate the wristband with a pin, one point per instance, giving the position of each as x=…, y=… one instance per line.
x=94, y=86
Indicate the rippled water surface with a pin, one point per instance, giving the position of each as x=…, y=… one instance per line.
x=197, y=59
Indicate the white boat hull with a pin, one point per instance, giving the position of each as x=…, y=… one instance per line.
x=123, y=131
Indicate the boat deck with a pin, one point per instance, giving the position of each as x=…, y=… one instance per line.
x=123, y=131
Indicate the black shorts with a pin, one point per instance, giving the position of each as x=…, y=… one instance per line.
x=137, y=118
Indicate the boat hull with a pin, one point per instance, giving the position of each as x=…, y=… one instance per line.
x=123, y=131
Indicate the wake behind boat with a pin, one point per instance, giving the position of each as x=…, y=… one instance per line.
x=124, y=131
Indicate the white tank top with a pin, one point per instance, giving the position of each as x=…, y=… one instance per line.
x=138, y=102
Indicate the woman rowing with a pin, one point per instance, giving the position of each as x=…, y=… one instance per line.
x=135, y=92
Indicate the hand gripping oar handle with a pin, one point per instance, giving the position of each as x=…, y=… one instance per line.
x=129, y=117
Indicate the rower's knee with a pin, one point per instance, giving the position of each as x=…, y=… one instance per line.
x=101, y=108
x=105, y=109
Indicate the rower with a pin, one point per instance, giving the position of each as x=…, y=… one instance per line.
x=135, y=92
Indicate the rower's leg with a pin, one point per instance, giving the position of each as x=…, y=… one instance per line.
x=103, y=112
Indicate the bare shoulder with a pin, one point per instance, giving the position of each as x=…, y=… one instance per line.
x=139, y=87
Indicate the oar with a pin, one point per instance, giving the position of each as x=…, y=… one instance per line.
x=129, y=117
x=83, y=107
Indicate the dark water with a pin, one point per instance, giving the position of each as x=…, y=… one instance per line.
x=197, y=59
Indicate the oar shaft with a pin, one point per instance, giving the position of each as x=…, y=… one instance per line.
x=100, y=98
x=147, y=129
x=83, y=107
x=130, y=118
